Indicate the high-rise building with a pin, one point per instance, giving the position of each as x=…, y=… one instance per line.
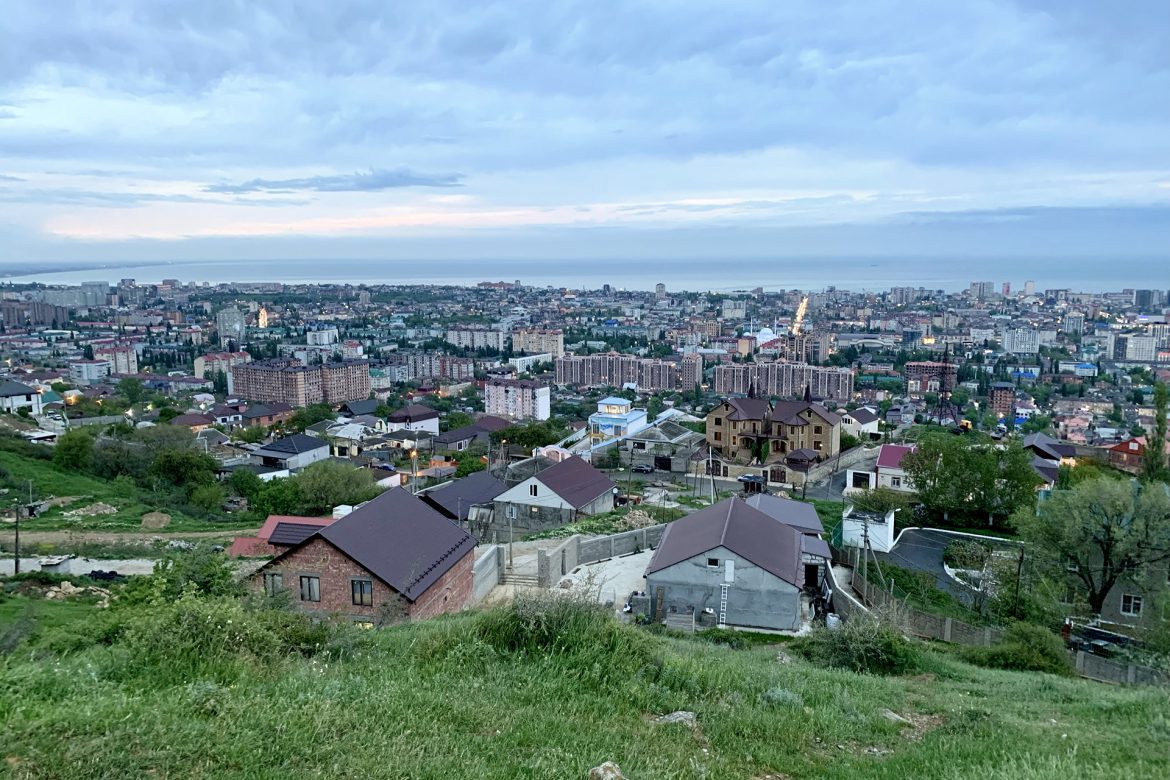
x=929, y=376
x=1007, y=289
x=291, y=382
x=1147, y=300
x=207, y=366
x=1142, y=349
x=1003, y=399
x=981, y=291
x=660, y=291
x=1029, y=288
x=1021, y=341
x=1073, y=324
x=123, y=359
x=518, y=399
x=229, y=323
x=536, y=342
x=477, y=338
x=784, y=380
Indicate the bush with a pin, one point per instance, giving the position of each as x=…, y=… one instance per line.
x=966, y=554
x=724, y=636
x=1025, y=647
x=863, y=643
x=569, y=626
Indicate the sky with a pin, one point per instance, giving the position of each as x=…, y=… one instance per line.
x=166, y=130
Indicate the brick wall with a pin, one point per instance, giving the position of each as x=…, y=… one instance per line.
x=318, y=558
x=450, y=593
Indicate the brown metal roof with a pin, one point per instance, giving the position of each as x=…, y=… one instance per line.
x=402, y=540
x=747, y=532
x=798, y=514
x=575, y=481
x=457, y=498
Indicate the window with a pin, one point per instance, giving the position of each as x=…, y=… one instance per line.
x=718, y=422
x=363, y=592
x=273, y=582
x=817, y=430
x=1131, y=605
x=712, y=563
x=511, y=512
x=718, y=436
x=895, y=482
x=818, y=445
x=532, y=490
x=310, y=588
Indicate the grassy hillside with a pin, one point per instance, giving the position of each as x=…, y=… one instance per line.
x=513, y=694
x=51, y=481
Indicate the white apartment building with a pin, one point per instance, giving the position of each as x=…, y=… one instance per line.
x=518, y=399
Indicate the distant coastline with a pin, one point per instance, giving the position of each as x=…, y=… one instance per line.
x=814, y=273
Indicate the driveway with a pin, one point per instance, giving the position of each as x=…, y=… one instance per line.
x=921, y=549
x=611, y=580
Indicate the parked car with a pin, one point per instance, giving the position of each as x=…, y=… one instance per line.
x=643, y=468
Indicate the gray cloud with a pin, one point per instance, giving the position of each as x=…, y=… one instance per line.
x=374, y=181
x=4, y=177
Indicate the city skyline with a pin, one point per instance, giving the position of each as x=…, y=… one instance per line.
x=156, y=133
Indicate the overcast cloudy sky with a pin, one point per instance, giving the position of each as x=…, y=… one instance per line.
x=170, y=130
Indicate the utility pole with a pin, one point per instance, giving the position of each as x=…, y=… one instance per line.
x=19, y=513
x=1019, y=575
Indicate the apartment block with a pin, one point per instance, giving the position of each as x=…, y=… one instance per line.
x=784, y=380
x=478, y=338
x=292, y=382
x=122, y=359
x=535, y=342
x=518, y=399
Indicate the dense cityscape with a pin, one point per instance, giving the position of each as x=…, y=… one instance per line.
x=621, y=391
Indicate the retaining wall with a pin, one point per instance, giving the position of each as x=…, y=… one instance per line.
x=487, y=572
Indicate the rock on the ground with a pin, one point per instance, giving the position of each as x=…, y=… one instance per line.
x=688, y=719
x=156, y=520
x=607, y=771
x=892, y=716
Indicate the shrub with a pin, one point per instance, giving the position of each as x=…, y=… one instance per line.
x=863, y=643
x=568, y=626
x=724, y=636
x=966, y=554
x=1025, y=647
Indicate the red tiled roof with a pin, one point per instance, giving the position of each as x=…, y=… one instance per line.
x=890, y=455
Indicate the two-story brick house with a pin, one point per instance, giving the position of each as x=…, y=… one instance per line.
x=394, y=558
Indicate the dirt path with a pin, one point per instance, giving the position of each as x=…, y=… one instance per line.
x=56, y=537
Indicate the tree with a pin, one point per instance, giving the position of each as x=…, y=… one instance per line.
x=74, y=450
x=250, y=434
x=880, y=500
x=1154, y=458
x=310, y=415
x=246, y=484
x=278, y=497
x=327, y=484
x=167, y=414
x=970, y=477
x=456, y=420
x=131, y=389
x=1100, y=531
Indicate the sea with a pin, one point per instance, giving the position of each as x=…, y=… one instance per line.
x=715, y=275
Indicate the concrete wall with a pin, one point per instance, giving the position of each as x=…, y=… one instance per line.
x=487, y=572
x=578, y=550
x=756, y=598
x=847, y=459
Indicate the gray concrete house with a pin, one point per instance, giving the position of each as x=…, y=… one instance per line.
x=730, y=562
x=292, y=452
x=558, y=495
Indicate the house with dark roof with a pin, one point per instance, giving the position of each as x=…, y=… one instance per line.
x=457, y=499
x=357, y=408
x=292, y=452
x=551, y=497
x=861, y=423
x=784, y=438
x=393, y=558
x=278, y=533
x=479, y=431
x=194, y=421
x=414, y=417
x=15, y=396
x=730, y=564
x=267, y=414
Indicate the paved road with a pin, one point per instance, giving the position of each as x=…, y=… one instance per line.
x=922, y=549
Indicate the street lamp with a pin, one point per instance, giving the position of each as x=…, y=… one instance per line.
x=414, y=471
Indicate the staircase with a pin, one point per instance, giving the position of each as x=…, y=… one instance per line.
x=521, y=580
x=683, y=621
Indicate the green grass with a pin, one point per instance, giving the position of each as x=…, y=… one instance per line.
x=920, y=591
x=50, y=481
x=829, y=512
x=477, y=696
x=43, y=614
